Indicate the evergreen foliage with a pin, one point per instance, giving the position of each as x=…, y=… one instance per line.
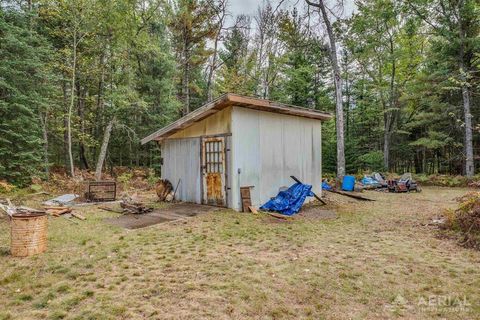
x=72, y=71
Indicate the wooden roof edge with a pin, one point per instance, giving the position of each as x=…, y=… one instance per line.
x=228, y=99
x=294, y=110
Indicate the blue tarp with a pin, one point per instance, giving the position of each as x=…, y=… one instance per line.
x=326, y=186
x=290, y=201
x=369, y=181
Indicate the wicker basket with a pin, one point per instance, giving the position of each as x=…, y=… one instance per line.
x=28, y=234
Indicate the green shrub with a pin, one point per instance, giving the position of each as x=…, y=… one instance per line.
x=125, y=179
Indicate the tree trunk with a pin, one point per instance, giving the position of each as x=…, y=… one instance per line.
x=339, y=124
x=70, y=108
x=43, y=121
x=186, y=79
x=65, y=125
x=81, y=114
x=464, y=68
x=386, y=149
x=469, y=164
x=390, y=114
x=103, y=150
x=212, y=68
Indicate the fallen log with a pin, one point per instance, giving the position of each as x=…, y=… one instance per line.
x=350, y=195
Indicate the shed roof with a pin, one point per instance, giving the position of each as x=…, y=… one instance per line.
x=230, y=99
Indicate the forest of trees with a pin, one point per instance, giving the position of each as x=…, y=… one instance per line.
x=82, y=81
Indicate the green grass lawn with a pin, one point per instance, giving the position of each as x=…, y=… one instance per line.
x=376, y=261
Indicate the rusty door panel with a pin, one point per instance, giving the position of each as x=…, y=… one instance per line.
x=213, y=171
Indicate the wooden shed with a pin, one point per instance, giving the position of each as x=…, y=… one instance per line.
x=238, y=141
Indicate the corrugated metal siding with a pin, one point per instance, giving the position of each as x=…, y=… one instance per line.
x=268, y=148
x=181, y=160
x=228, y=155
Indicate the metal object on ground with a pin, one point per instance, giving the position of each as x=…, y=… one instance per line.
x=98, y=191
x=64, y=199
x=404, y=184
x=28, y=234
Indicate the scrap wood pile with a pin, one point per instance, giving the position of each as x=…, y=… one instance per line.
x=12, y=210
x=129, y=206
x=15, y=211
x=57, y=211
x=54, y=211
x=135, y=207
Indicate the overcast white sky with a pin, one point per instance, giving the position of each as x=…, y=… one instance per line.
x=249, y=7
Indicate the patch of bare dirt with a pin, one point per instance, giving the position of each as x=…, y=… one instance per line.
x=174, y=212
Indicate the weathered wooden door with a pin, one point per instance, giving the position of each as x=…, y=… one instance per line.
x=213, y=171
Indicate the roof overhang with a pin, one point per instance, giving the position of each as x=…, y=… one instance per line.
x=230, y=99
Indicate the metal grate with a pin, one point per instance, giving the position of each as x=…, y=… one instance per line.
x=101, y=191
x=213, y=157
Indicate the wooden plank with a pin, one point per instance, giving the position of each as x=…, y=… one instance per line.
x=78, y=216
x=350, y=195
x=253, y=209
x=279, y=216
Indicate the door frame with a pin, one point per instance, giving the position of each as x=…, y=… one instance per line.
x=227, y=154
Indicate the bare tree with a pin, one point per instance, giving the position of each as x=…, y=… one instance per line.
x=268, y=48
x=221, y=15
x=339, y=123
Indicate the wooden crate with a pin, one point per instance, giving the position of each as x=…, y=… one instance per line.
x=246, y=198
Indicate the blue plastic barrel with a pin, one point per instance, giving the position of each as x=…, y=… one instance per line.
x=348, y=183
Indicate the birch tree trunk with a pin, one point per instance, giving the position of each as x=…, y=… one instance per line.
x=70, y=108
x=103, y=150
x=210, y=74
x=339, y=123
x=390, y=113
x=469, y=163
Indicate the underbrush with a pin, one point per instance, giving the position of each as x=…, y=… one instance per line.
x=443, y=180
x=464, y=221
x=59, y=182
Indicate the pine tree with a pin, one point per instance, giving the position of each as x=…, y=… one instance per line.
x=24, y=91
